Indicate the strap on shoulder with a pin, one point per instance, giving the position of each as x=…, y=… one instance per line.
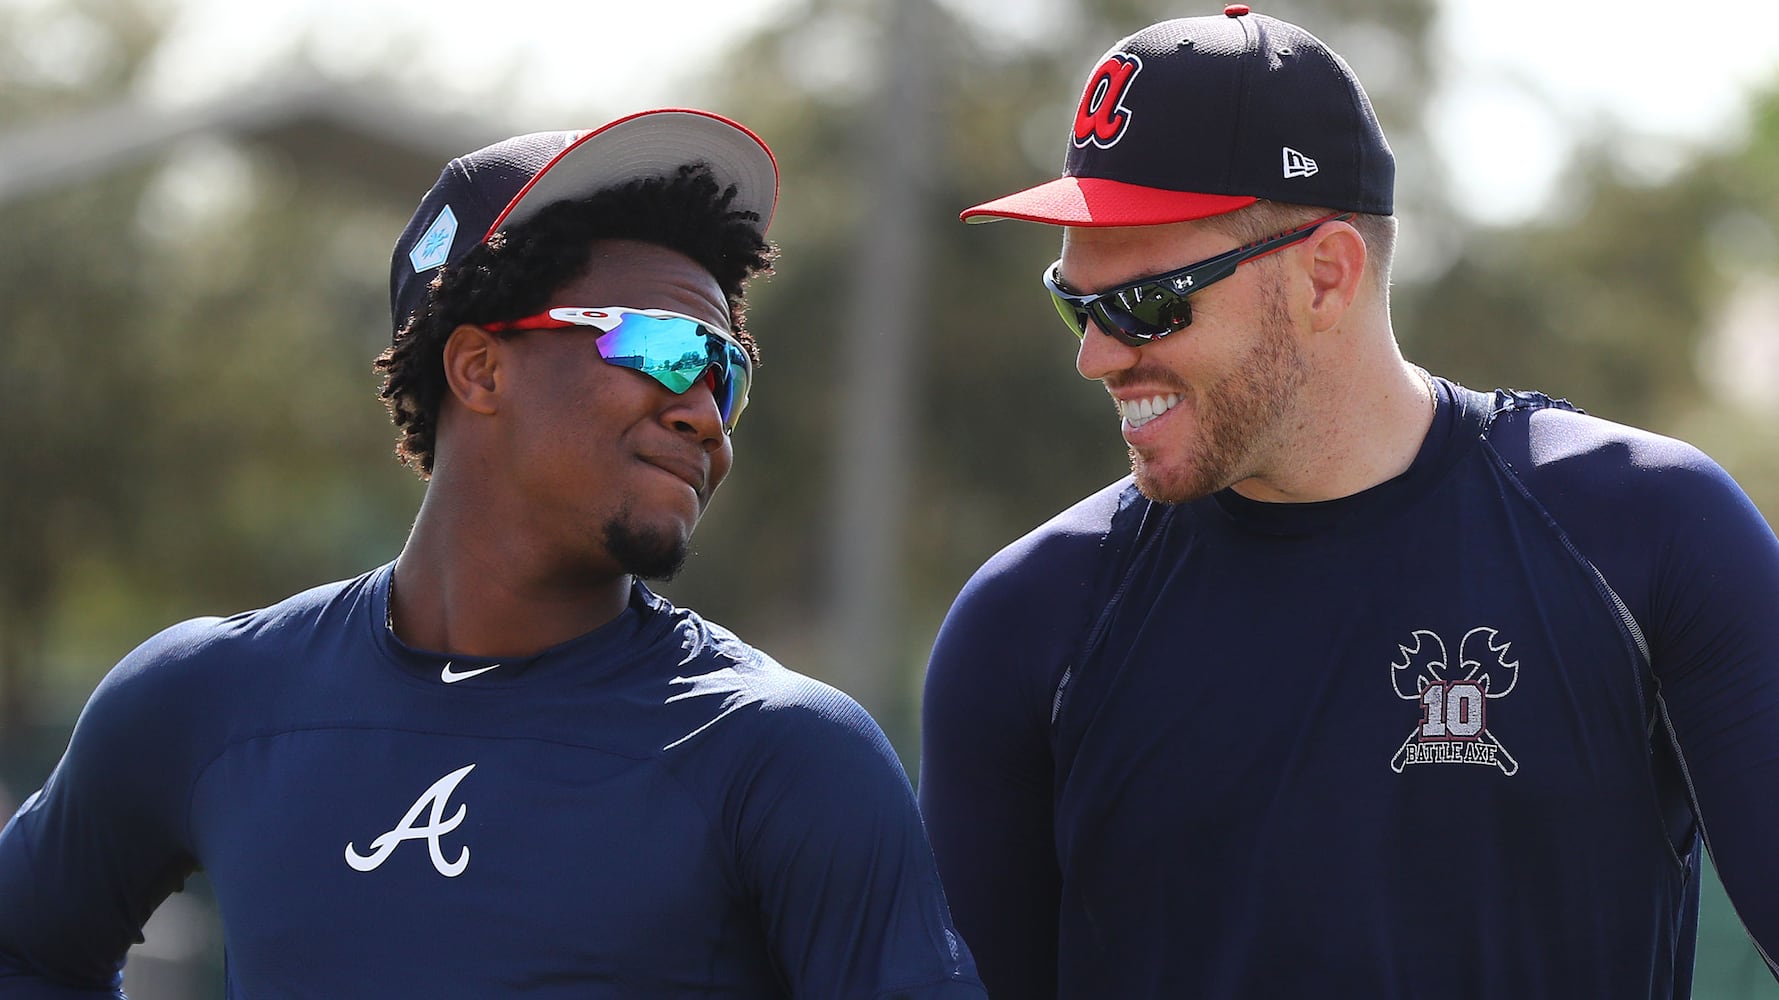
x=1135, y=526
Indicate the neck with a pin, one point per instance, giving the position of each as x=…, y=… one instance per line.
x=1357, y=422
x=470, y=581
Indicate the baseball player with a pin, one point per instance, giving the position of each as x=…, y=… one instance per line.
x=500, y=765
x=1364, y=684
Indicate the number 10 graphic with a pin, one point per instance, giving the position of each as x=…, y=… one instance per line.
x=1453, y=708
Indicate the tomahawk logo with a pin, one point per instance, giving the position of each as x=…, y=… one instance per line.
x=1454, y=699
x=1102, y=117
x=436, y=827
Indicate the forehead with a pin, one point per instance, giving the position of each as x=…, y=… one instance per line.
x=645, y=276
x=1099, y=257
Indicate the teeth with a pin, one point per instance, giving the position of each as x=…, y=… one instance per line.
x=1137, y=412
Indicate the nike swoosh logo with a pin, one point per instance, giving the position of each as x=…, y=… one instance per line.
x=450, y=676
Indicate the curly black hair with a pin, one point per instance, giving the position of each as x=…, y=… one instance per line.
x=516, y=272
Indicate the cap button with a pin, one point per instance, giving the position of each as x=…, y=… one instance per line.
x=1235, y=10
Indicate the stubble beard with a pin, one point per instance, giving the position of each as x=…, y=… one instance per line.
x=645, y=551
x=1239, y=416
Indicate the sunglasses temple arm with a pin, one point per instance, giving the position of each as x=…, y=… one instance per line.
x=1285, y=239
x=528, y=323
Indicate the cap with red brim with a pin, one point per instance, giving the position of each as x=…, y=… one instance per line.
x=1198, y=116
x=1097, y=202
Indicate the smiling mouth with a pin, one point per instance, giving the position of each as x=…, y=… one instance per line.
x=1137, y=412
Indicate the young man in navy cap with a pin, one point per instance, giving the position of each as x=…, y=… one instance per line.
x=500, y=765
x=1363, y=684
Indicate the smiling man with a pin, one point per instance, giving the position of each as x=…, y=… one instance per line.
x=1364, y=684
x=501, y=765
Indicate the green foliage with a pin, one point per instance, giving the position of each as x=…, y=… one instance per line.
x=188, y=410
x=1617, y=304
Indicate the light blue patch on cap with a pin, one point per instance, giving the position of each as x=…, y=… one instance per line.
x=434, y=246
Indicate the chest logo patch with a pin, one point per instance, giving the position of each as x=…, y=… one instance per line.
x=432, y=802
x=1454, y=698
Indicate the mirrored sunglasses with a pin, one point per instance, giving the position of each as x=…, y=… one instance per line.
x=671, y=348
x=1154, y=307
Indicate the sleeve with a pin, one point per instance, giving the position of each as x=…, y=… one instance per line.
x=987, y=773
x=88, y=857
x=1713, y=633
x=986, y=788
x=830, y=842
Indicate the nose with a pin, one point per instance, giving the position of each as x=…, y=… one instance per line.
x=695, y=413
x=1101, y=355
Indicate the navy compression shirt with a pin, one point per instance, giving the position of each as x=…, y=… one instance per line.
x=1460, y=735
x=653, y=809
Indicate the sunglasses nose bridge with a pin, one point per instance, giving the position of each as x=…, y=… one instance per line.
x=699, y=409
x=1103, y=351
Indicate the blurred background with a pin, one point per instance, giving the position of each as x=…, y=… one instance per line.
x=198, y=199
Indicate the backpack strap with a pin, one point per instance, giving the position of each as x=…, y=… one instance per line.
x=1135, y=526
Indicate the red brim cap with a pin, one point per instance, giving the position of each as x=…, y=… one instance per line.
x=1097, y=202
x=655, y=144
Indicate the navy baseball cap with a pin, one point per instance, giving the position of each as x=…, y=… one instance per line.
x=510, y=182
x=1200, y=116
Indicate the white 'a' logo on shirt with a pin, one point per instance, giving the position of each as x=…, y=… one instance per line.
x=436, y=827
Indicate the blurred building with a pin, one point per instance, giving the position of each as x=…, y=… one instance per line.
x=356, y=128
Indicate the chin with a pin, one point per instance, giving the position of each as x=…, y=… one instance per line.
x=1177, y=485
x=649, y=552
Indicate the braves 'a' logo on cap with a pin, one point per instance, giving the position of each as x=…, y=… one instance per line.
x=1102, y=117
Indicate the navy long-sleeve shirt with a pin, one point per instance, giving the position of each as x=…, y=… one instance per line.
x=1460, y=735
x=652, y=809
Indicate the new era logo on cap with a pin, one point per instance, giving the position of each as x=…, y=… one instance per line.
x=1297, y=164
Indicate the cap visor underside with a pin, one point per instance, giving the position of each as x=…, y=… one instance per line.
x=655, y=144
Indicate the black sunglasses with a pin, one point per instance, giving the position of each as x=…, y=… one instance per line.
x=1147, y=308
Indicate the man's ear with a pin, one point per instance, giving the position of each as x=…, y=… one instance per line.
x=1336, y=263
x=472, y=359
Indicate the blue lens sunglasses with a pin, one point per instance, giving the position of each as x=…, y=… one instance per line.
x=675, y=350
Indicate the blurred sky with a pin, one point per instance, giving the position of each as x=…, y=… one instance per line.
x=1525, y=78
